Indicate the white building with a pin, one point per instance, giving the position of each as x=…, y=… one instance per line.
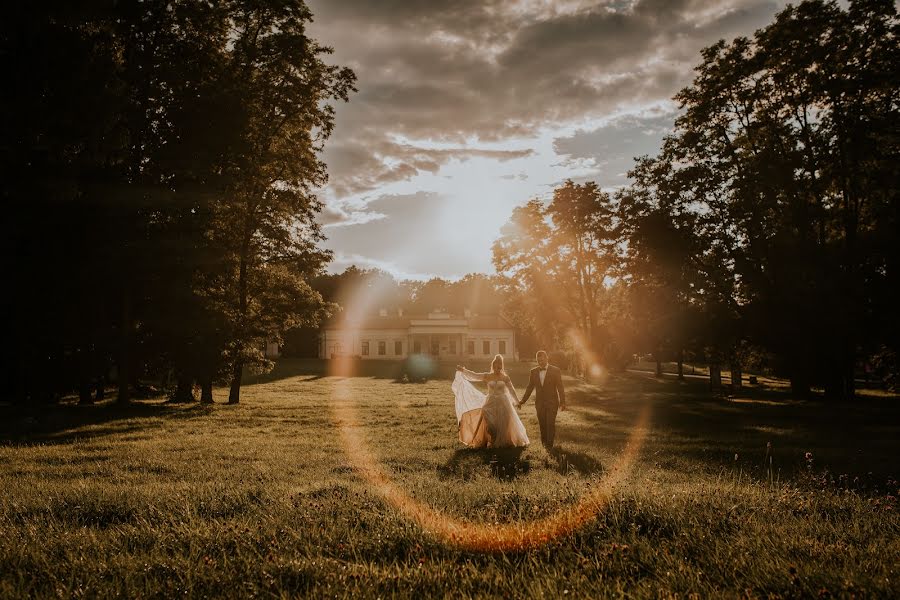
x=438, y=334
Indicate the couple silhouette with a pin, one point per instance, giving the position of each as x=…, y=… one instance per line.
x=490, y=420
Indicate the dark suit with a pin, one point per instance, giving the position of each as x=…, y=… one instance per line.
x=547, y=400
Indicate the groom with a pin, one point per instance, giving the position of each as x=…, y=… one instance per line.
x=550, y=396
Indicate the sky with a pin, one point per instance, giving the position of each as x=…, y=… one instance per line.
x=469, y=108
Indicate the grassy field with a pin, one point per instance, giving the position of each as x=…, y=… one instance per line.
x=274, y=498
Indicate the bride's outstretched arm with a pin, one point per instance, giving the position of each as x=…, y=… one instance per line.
x=470, y=375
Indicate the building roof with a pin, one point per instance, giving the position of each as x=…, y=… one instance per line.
x=405, y=322
x=369, y=323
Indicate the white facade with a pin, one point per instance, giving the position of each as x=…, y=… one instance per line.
x=439, y=335
x=366, y=344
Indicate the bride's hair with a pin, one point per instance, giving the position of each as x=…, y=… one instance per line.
x=497, y=364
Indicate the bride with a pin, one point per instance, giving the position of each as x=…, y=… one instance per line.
x=488, y=421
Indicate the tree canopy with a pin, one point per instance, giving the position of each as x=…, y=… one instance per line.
x=163, y=158
x=768, y=220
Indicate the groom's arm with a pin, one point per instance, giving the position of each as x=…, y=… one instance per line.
x=560, y=389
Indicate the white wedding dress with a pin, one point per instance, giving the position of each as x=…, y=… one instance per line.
x=487, y=421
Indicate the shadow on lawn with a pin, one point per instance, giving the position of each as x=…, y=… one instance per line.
x=505, y=464
x=63, y=423
x=691, y=428
x=568, y=462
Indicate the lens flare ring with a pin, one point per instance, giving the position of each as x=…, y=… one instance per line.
x=479, y=537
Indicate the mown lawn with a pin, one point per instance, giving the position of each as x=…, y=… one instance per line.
x=267, y=498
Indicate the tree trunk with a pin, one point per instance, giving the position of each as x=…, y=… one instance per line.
x=840, y=385
x=737, y=374
x=659, y=370
x=234, y=394
x=124, y=371
x=715, y=376
x=681, y=365
x=800, y=386
x=100, y=394
x=184, y=390
x=21, y=385
x=84, y=392
x=85, y=371
x=206, y=395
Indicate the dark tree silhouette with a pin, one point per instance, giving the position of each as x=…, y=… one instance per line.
x=161, y=156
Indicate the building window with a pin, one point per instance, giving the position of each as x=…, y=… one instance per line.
x=382, y=348
x=471, y=347
x=417, y=347
x=398, y=348
x=365, y=349
x=502, y=348
x=486, y=347
x=452, y=346
x=435, y=347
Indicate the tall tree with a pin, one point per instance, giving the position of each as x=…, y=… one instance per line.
x=583, y=236
x=284, y=117
x=790, y=139
x=524, y=254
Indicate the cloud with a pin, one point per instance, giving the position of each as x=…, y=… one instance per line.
x=609, y=150
x=465, y=71
x=370, y=162
x=467, y=108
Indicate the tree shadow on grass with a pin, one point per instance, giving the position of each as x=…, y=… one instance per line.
x=568, y=462
x=505, y=464
x=63, y=423
x=692, y=428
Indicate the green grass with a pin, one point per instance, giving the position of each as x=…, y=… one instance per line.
x=262, y=499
